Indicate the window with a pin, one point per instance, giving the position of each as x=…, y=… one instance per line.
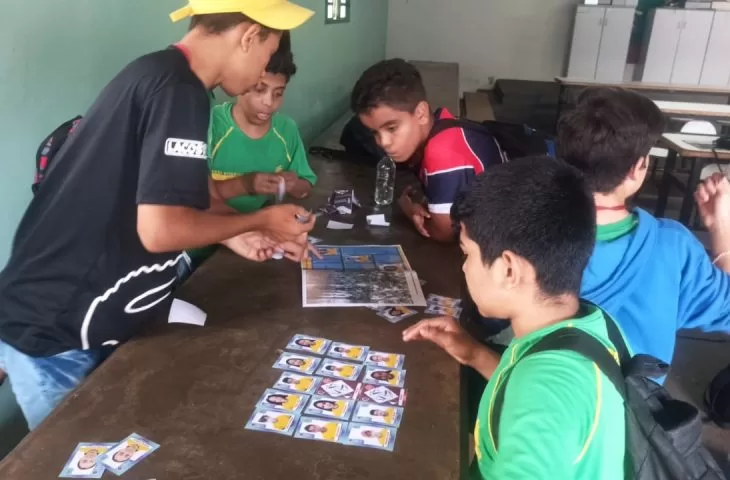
x=338, y=11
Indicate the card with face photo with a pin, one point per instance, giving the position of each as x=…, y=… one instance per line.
x=383, y=395
x=127, y=453
x=441, y=301
x=298, y=363
x=338, y=388
x=283, y=401
x=265, y=420
x=293, y=382
x=84, y=461
x=448, y=311
x=320, y=429
x=370, y=436
x=353, y=353
x=306, y=343
x=395, y=314
x=366, y=412
x=330, y=408
x=385, y=376
x=385, y=360
x=338, y=369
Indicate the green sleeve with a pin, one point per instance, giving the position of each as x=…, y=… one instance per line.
x=548, y=410
x=299, y=163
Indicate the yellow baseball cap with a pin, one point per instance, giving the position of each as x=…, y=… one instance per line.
x=277, y=14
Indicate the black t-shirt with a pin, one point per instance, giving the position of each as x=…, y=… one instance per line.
x=78, y=275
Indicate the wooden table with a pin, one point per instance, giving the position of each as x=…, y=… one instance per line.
x=192, y=389
x=700, y=110
x=698, y=148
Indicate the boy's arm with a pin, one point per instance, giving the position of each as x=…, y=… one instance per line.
x=549, y=407
x=300, y=178
x=437, y=226
x=713, y=206
x=449, y=335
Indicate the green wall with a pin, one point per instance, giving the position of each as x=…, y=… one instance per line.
x=56, y=55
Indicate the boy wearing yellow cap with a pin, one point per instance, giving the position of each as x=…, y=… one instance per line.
x=95, y=254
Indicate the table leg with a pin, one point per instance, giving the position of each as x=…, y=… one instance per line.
x=666, y=184
x=688, y=203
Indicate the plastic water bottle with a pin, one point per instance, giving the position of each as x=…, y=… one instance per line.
x=385, y=181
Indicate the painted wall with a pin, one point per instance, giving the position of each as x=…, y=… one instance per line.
x=56, y=55
x=520, y=39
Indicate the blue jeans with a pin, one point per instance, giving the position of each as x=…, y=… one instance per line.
x=40, y=384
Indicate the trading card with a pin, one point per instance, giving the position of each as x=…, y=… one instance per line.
x=385, y=376
x=441, y=301
x=84, y=461
x=314, y=240
x=293, y=382
x=383, y=395
x=298, y=363
x=305, y=343
x=283, y=401
x=272, y=421
x=385, y=360
x=392, y=267
x=337, y=369
x=395, y=314
x=338, y=388
x=354, y=353
x=449, y=311
x=371, y=436
x=127, y=453
x=320, y=429
x=330, y=408
x=379, y=414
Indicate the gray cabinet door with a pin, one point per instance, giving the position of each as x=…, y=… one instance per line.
x=692, y=46
x=716, y=69
x=617, y=26
x=662, y=47
x=586, y=42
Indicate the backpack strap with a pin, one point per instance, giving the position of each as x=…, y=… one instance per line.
x=448, y=123
x=570, y=339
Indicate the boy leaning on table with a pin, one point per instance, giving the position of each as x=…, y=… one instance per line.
x=95, y=253
x=527, y=231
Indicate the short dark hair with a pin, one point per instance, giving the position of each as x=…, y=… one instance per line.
x=607, y=133
x=282, y=61
x=216, y=23
x=540, y=209
x=395, y=83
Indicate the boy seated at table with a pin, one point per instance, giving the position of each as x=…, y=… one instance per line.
x=254, y=148
x=527, y=231
x=390, y=100
x=651, y=275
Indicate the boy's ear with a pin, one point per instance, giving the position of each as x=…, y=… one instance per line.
x=423, y=112
x=251, y=34
x=639, y=168
x=508, y=270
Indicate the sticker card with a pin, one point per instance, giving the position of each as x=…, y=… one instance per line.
x=383, y=395
x=371, y=436
x=378, y=414
x=84, y=461
x=282, y=401
x=338, y=388
x=126, y=454
x=330, y=408
x=385, y=360
x=293, y=382
x=298, y=363
x=306, y=343
x=337, y=369
x=345, y=351
x=320, y=429
x=385, y=376
x=264, y=420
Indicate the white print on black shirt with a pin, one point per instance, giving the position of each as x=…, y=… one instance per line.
x=179, y=147
x=131, y=306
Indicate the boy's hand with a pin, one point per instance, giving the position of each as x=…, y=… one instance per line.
x=299, y=249
x=253, y=246
x=713, y=202
x=261, y=183
x=290, y=178
x=417, y=213
x=447, y=334
x=280, y=223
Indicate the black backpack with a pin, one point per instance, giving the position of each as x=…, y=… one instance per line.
x=515, y=140
x=49, y=148
x=717, y=399
x=663, y=435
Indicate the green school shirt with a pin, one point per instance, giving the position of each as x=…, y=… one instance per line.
x=616, y=230
x=561, y=418
x=232, y=153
